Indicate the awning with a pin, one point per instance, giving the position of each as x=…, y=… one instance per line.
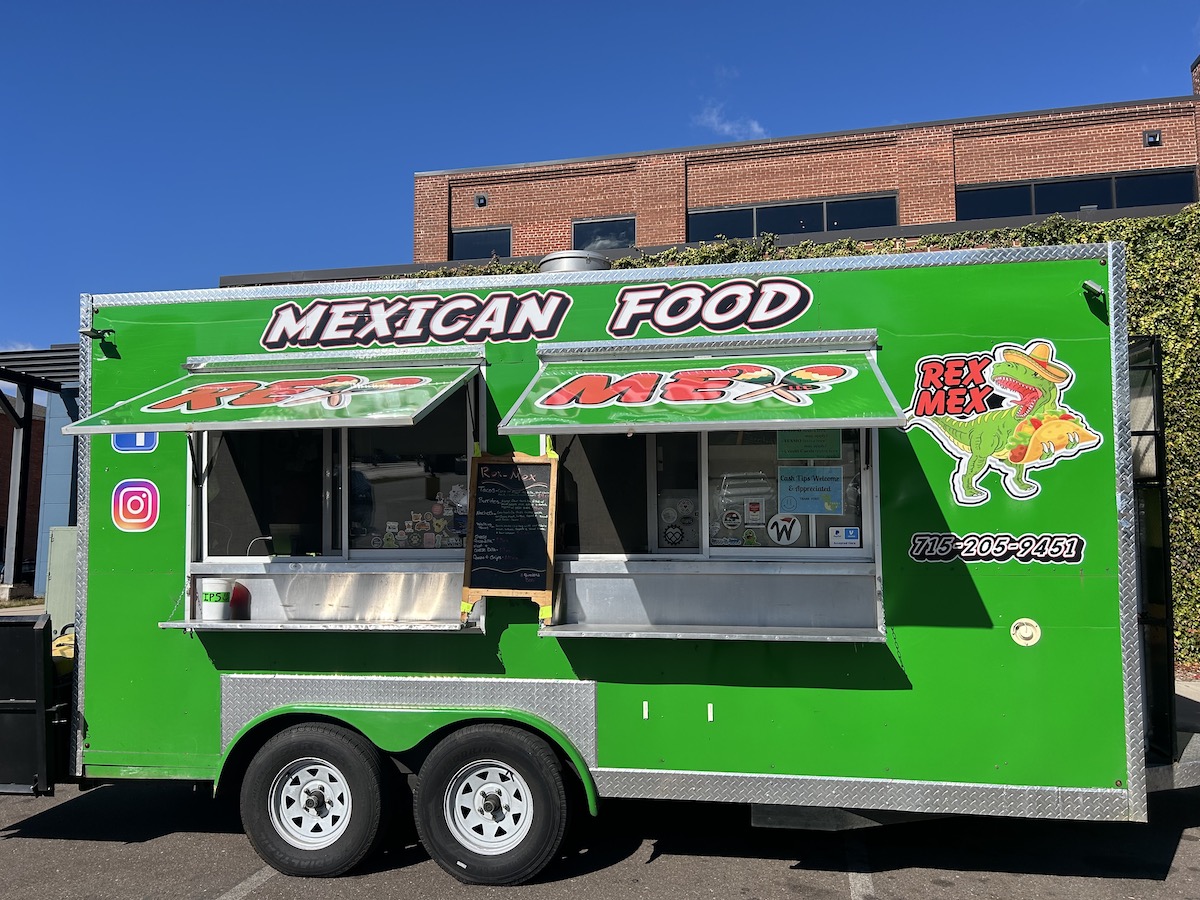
x=775, y=391
x=339, y=395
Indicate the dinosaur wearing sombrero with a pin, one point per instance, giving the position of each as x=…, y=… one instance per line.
x=1032, y=430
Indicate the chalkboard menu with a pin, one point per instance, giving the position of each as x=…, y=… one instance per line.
x=510, y=529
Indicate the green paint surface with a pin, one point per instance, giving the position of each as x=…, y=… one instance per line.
x=949, y=697
x=815, y=390
x=282, y=399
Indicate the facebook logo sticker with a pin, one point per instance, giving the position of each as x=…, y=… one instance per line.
x=135, y=442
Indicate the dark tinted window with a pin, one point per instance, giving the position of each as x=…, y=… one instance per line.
x=264, y=493
x=611, y=234
x=1072, y=196
x=481, y=244
x=843, y=214
x=1156, y=189
x=602, y=494
x=795, y=218
x=730, y=223
x=994, y=203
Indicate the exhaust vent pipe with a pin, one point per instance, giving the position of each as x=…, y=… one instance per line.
x=574, y=261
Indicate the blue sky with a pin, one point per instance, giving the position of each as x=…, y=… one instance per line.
x=160, y=145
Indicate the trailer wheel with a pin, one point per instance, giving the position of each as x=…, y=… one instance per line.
x=490, y=805
x=312, y=800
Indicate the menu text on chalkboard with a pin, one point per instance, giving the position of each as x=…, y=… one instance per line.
x=510, y=529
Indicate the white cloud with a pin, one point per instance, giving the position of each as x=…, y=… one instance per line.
x=713, y=117
x=9, y=347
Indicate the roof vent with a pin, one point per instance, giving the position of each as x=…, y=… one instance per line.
x=574, y=261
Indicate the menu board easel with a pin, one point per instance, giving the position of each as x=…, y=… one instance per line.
x=510, y=530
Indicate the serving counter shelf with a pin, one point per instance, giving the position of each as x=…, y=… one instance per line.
x=709, y=633
x=454, y=627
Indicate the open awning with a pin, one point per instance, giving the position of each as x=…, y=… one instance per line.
x=341, y=394
x=710, y=392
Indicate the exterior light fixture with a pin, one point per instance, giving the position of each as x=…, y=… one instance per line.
x=1152, y=138
x=481, y=200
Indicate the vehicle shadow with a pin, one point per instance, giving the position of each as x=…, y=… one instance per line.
x=1119, y=850
x=126, y=813
x=137, y=812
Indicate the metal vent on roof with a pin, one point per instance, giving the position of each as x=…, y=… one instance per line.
x=574, y=261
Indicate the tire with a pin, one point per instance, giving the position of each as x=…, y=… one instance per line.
x=312, y=800
x=490, y=805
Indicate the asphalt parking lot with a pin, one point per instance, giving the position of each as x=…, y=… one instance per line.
x=158, y=840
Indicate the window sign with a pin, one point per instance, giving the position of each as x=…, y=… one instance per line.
x=756, y=511
x=810, y=490
x=810, y=443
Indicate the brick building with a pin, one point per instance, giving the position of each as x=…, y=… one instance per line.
x=1121, y=159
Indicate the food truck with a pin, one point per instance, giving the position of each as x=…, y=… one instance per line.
x=848, y=533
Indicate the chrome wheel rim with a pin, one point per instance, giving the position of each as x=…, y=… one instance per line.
x=310, y=803
x=488, y=807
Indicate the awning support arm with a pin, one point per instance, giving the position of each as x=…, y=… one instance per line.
x=201, y=470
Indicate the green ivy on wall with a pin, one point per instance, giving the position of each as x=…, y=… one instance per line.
x=1163, y=278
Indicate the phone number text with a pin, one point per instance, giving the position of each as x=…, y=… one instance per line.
x=1025, y=548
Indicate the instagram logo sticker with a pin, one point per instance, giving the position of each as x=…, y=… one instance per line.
x=135, y=505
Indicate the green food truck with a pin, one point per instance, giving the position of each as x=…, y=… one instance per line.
x=879, y=533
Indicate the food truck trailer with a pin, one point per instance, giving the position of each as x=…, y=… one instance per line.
x=878, y=533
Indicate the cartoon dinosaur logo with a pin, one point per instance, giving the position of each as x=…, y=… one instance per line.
x=1000, y=411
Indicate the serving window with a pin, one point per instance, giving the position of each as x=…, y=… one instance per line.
x=370, y=492
x=773, y=494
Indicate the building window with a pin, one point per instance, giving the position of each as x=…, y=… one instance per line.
x=994, y=202
x=812, y=217
x=1001, y=201
x=481, y=244
x=720, y=223
x=791, y=218
x=1072, y=196
x=605, y=234
x=872, y=212
x=338, y=492
x=1156, y=189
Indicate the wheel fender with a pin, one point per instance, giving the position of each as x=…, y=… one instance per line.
x=396, y=729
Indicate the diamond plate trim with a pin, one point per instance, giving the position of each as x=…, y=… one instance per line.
x=569, y=706
x=1127, y=561
x=866, y=339
x=924, y=260
x=867, y=793
x=83, y=480
x=434, y=355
